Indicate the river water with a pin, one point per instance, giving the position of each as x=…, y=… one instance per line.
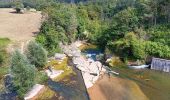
x=72, y=89
x=154, y=84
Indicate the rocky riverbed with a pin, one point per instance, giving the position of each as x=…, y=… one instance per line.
x=90, y=69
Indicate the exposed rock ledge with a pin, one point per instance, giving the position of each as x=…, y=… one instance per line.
x=91, y=70
x=34, y=91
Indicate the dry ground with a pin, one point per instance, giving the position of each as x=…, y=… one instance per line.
x=115, y=88
x=19, y=27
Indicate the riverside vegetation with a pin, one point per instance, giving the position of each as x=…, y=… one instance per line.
x=132, y=29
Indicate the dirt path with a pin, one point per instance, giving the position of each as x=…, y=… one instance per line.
x=116, y=89
x=19, y=28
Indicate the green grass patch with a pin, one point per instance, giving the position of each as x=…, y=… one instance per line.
x=4, y=42
x=4, y=56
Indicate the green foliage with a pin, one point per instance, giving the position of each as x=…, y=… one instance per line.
x=23, y=73
x=36, y=55
x=3, y=55
x=157, y=49
x=138, y=49
x=41, y=77
x=125, y=20
x=160, y=33
x=129, y=46
x=49, y=38
x=124, y=26
x=4, y=42
x=18, y=6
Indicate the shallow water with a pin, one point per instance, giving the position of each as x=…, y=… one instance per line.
x=92, y=53
x=73, y=88
x=154, y=84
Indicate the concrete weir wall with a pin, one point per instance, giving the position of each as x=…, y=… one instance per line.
x=160, y=64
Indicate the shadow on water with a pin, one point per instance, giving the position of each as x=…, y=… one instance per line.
x=8, y=96
x=69, y=93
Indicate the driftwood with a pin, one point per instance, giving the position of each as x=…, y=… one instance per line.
x=160, y=64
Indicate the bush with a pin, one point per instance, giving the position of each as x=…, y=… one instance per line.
x=23, y=73
x=41, y=77
x=36, y=54
x=18, y=6
x=138, y=49
x=157, y=49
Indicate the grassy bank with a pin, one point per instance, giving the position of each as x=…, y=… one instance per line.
x=4, y=58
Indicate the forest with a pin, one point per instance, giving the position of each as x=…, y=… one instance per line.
x=131, y=29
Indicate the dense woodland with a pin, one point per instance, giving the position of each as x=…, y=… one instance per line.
x=134, y=29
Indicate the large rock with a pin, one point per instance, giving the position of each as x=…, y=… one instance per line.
x=89, y=68
x=59, y=56
x=54, y=73
x=36, y=89
x=88, y=79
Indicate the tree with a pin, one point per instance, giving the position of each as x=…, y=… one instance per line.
x=18, y=6
x=23, y=73
x=36, y=54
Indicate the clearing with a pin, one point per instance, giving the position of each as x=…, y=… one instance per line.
x=19, y=27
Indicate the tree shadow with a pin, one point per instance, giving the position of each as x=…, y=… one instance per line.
x=14, y=12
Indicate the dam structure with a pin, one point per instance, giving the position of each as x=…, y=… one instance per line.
x=160, y=64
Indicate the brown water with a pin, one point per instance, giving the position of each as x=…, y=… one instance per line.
x=154, y=84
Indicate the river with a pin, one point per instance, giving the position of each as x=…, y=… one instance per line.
x=72, y=89
x=154, y=84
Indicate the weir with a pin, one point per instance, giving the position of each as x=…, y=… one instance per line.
x=160, y=64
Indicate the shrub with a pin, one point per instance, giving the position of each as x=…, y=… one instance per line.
x=18, y=5
x=157, y=49
x=36, y=54
x=23, y=73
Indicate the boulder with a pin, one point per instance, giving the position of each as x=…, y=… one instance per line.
x=59, y=56
x=36, y=89
x=88, y=79
x=78, y=43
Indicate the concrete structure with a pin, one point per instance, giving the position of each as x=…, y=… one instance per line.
x=160, y=64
